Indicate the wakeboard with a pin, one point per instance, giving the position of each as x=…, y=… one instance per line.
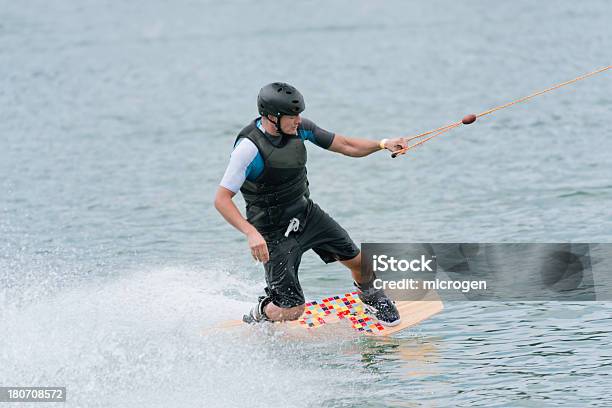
x=348, y=309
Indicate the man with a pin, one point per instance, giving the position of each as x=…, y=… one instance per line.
x=268, y=165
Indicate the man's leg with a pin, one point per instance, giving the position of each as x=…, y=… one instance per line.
x=332, y=243
x=354, y=265
x=285, y=298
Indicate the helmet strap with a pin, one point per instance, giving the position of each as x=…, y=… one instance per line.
x=278, y=126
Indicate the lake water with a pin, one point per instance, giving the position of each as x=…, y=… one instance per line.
x=116, y=124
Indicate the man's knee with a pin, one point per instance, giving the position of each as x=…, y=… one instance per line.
x=277, y=313
x=294, y=313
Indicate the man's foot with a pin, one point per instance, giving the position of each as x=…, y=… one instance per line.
x=257, y=313
x=382, y=307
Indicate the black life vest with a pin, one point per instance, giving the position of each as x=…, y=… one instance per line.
x=281, y=190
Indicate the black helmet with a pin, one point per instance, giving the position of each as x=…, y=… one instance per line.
x=279, y=99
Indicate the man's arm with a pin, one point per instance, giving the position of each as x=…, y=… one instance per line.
x=354, y=147
x=242, y=157
x=229, y=211
x=225, y=205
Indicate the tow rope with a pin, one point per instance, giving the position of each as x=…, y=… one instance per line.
x=471, y=118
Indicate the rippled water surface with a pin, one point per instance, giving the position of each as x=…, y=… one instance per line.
x=116, y=123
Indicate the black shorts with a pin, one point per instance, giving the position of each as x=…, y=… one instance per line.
x=317, y=231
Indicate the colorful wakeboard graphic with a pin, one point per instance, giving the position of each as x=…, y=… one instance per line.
x=347, y=306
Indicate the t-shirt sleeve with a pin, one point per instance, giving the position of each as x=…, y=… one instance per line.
x=240, y=165
x=308, y=130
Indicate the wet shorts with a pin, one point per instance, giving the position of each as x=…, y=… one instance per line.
x=317, y=231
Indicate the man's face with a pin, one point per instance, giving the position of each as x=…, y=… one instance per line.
x=289, y=124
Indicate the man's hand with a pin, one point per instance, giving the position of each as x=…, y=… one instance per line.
x=393, y=145
x=259, y=248
x=227, y=208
